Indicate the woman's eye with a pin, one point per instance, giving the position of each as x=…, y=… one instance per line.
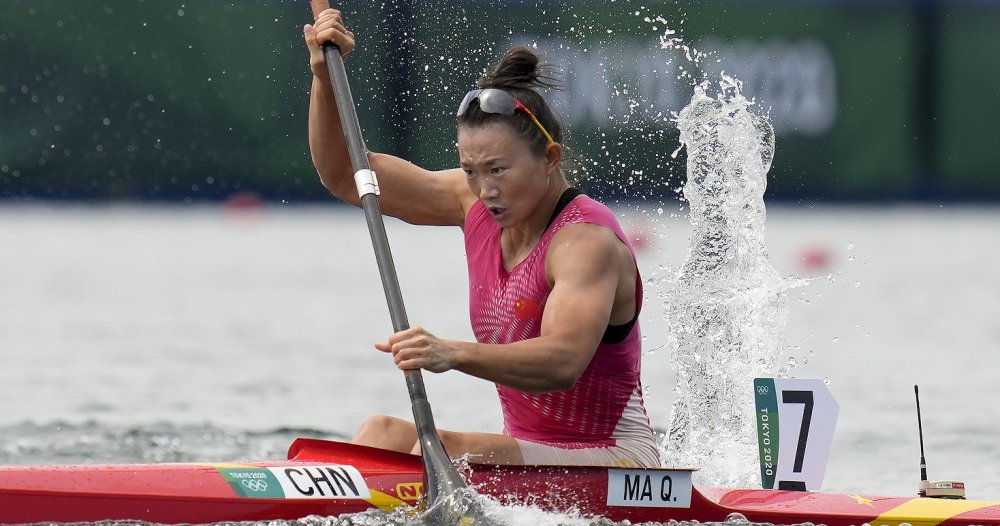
x=497, y=170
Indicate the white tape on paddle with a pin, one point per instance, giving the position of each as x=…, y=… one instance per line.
x=366, y=182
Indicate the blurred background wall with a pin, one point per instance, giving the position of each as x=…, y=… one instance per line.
x=879, y=100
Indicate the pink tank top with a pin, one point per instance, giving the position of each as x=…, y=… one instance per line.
x=606, y=404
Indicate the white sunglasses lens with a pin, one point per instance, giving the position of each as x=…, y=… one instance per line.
x=496, y=101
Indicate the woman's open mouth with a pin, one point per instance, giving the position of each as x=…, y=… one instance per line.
x=496, y=212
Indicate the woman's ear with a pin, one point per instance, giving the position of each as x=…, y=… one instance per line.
x=553, y=157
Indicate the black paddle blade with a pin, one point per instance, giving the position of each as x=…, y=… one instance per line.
x=443, y=479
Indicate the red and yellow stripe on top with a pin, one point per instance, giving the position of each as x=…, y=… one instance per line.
x=931, y=512
x=926, y=511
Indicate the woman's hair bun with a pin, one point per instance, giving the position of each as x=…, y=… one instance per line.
x=519, y=68
x=522, y=74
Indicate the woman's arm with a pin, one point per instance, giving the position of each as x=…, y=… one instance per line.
x=408, y=192
x=592, y=273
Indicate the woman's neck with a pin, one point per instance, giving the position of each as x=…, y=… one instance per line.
x=526, y=234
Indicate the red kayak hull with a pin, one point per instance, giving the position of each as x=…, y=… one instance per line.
x=330, y=478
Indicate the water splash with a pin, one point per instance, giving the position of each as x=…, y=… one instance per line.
x=728, y=308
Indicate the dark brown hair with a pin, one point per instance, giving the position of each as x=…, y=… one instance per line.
x=521, y=73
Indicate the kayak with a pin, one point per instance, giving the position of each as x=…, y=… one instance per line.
x=329, y=478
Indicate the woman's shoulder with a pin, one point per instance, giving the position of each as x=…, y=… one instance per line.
x=590, y=217
x=591, y=210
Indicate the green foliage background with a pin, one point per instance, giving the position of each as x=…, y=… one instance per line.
x=126, y=99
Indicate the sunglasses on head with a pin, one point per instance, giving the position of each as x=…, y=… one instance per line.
x=492, y=100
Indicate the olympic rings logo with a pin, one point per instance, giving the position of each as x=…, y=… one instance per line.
x=762, y=389
x=254, y=484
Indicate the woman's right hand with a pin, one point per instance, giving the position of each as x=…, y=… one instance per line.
x=328, y=27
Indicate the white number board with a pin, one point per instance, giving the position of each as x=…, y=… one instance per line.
x=795, y=423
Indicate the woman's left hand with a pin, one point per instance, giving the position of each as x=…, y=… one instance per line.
x=417, y=348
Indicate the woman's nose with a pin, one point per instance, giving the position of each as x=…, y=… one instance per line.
x=488, y=191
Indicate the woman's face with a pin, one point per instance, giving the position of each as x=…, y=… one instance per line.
x=503, y=172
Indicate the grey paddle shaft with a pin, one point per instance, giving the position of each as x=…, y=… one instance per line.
x=442, y=477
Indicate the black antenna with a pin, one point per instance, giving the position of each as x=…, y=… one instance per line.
x=920, y=428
